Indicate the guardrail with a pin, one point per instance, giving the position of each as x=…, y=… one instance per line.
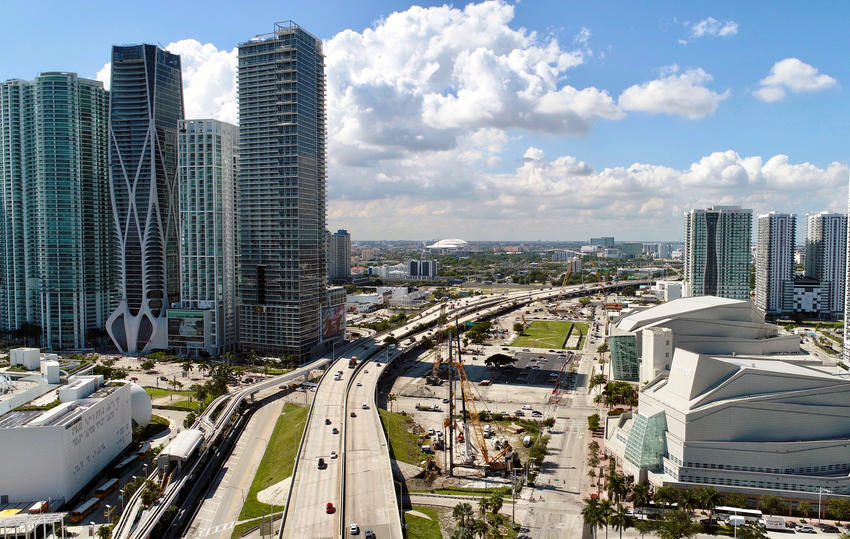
x=386, y=442
x=344, y=445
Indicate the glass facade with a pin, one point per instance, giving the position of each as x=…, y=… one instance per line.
x=281, y=190
x=646, y=446
x=58, y=233
x=207, y=167
x=625, y=362
x=146, y=102
x=717, y=252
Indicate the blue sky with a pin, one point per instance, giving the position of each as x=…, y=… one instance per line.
x=666, y=86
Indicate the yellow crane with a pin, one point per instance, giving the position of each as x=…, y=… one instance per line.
x=570, y=265
x=434, y=379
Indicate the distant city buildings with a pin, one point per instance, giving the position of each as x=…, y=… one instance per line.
x=146, y=102
x=564, y=256
x=56, y=228
x=774, y=260
x=281, y=193
x=424, y=270
x=826, y=256
x=205, y=316
x=604, y=241
x=339, y=256
x=717, y=252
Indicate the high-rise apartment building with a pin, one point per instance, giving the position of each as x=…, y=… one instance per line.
x=717, y=252
x=604, y=241
x=146, y=102
x=826, y=255
x=56, y=227
x=339, y=256
x=282, y=177
x=774, y=260
x=207, y=165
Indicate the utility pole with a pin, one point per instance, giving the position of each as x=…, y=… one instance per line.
x=513, y=498
x=451, y=439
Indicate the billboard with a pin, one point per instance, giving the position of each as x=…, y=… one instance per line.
x=333, y=321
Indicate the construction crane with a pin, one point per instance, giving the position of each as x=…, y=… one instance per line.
x=570, y=265
x=434, y=379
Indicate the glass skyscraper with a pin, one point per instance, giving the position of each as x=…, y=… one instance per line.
x=717, y=252
x=207, y=167
x=282, y=134
x=146, y=102
x=57, y=232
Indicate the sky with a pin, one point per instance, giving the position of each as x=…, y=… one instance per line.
x=530, y=120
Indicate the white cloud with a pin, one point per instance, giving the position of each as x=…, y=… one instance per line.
x=683, y=94
x=794, y=75
x=713, y=28
x=209, y=79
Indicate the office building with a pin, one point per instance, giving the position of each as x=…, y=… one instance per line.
x=425, y=270
x=717, y=252
x=56, y=227
x=565, y=256
x=826, y=256
x=146, y=102
x=205, y=316
x=604, y=241
x=52, y=454
x=282, y=178
x=339, y=256
x=774, y=260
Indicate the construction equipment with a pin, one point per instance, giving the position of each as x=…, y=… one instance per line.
x=434, y=378
x=570, y=265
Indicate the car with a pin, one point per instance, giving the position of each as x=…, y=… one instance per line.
x=327, y=421
x=366, y=371
x=329, y=509
x=804, y=528
x=536, y=413
x=364, y=406
x=370, y=534
x=322, y=463
x=354, y=529
x=828, y=528
x=359, y=384
x=504, y=349
x=335, y=430
x=519, y=413
x=445, y=401
x=333, y=454
x=526, y=407
x=551, y=350
x=524, y=350
x=353, y=414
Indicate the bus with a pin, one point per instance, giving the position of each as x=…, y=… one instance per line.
x=750, y=515
x=121, y=466
x=84, y=509
x=143, y=449
x=104, y=489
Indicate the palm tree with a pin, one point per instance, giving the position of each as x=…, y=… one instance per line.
x=605, y=510
x=228, y=358
x=709, y=498
x=688, y=500
x=462, y=513
x=187, y=367
x=676, y=525
x=640, y=494
x=252, y=356
x=390, y=398
x=480, y=527
x=199, y=392
x=592, y=475
x=591, y=513
x=665, y=496
x=752, y=530
x=617, y=487
x=484, y=505
x=496, y=503
x=620, y=519
x=643, y=527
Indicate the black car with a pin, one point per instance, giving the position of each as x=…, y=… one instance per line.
x=335, y=430
x=828, y=528
x=327, y=421
x=322, y=464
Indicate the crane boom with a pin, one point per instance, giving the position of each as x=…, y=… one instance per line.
x=434, y=379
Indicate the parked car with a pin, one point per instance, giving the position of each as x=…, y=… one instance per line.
x=804, y=528
x=519, y=413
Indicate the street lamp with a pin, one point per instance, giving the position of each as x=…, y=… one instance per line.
x=821, y=490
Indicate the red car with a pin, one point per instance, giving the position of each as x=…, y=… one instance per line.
x=330, y=508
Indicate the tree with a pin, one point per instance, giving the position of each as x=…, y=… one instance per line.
x=603, y=348
x=252, y=357
x=104, y=531
x=640, y=494
x=839, y=508
x=549, y=422
x=752, y=530
x=688, y=500
x=629, y=291
x=617, y=487
x=462, y=513
x=605, y=509
x=228, y=358
x=150, y=493
x=190, y=420
x=591, y=514
x=484, y=505
x=389, y=339
x=199, y=391
x=805, y=508
x=390, y=398
x=499, y=360
x=708, y=499
x=518, y=327
x=771, y=504
x=736, y=499
x=187, y=368
x=480, y=527
x=593, y=422
x=665, y=496
x=148, y=365
x=643, y=526
x=584, y=301
x=620, y=519
x=677, y=524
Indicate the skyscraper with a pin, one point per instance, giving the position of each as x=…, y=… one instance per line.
x=339, y=254
x=717, y=252
x=207, y=167
x=57, y=233
x=774, y=260
x=826, y=255
x=282, y=180
x=146, y=101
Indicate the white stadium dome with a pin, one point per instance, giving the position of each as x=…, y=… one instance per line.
x=450, y=243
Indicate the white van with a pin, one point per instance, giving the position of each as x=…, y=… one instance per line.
x=736, y=520
x=526, y=407
x=365, y=406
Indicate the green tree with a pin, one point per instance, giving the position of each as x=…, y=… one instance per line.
x=688, y=501
x=485, y=504
x=518, y=327
x=593, y=421
x=150, y=493
x=605, y=508
x=708, y=499
x=104, y=531
x=676, y=525
x=390, y=398
x=752, y=530
x=584, y=301
x=772, y=505
x=736, y=499
x=665, y=496
x=643, y=526
x=480, y=527
x=617, y=487
x=640, y=494
x=839, y=508
x=187, y=368
x=199, y=391
x=620, y=519
x=189, y=420
x=462, y=513
x=805, y=508
x=592, y=515
x=228, y=358
x=629, y=291
x=603, y=348
x=499, y=360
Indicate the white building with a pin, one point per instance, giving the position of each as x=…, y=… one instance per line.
x=449, y=246
x=364, y=303
x=717, y=252
x=774, y=260
x=667, y=290
x=54, y=453
x=826, y=255
x=564, y=255
x=753, y=424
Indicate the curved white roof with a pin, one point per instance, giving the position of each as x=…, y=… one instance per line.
x=182, y=445
x=449, y=243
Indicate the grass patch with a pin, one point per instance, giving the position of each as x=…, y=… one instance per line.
x=240, y=529
x=404, y=445
x=189, y=405
x=278, y=460
x=156, y=392
x=421, y=528
x=584, y=329
x=544, y=334
x=157, y=425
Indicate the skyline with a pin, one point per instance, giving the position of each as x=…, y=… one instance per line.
x=536, y=121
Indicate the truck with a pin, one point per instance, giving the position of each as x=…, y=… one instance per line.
x=487, y=431
x=352, y=362
x=774, y=523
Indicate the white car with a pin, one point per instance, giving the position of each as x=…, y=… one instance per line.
x=354, y=529
x=333, y=454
